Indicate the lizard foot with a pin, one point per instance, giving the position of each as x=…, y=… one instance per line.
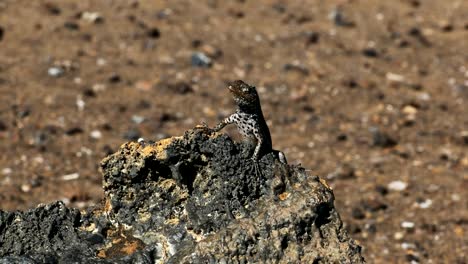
x=204, y=127
x=258, y=170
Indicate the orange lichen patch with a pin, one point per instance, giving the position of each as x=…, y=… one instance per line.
x=161, y=146
x=130, y=247
x=283, y=196
x=107, y=206
x=121, y=246
x=101, y=253
x=324, y=182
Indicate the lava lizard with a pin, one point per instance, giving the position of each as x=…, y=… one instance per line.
x=249, y=120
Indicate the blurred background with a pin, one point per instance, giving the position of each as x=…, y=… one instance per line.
x=370, y=95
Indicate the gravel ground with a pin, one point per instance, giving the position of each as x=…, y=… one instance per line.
x=370, y=95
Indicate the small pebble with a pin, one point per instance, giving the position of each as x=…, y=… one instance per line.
x=71, y=25
x=101, y=62
x=398, y=235
x=395, y=77
x=69, y=177
x=199, y=59
x=3, y=126
x=74, y=131
x=382, y=139
x=55, y=71
x=96, y=134
x=52, y=9
x=358, y=213
x=406, y=245
x=370, y=52
x=425, y=204
x=153, y=33
x=463, y=135
x=7, y=171
x=397, y=185
x=25, y=188
x=138, y=119
x=143, y=85
x=296, y=67
x=410, y=110
x=407, y=225
x=80, y=104
x=374, y=205
x=336, y=15
x=114, y=78
x=312, y=38
x=93, y=17
x=455, y=197
x=382, y=190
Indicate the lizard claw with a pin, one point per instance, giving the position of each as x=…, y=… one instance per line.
x=204, y=127
x=258, y=171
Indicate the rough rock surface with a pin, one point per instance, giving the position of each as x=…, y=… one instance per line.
x=190, y=199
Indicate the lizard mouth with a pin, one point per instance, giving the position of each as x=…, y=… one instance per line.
x=233, y=90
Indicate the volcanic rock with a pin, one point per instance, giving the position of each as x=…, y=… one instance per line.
x=191, y=199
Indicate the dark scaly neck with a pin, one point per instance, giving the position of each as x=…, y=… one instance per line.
x=250, y=108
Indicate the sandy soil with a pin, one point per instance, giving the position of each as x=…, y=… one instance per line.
x=371, y=95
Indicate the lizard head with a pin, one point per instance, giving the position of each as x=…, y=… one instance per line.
x=244, y=94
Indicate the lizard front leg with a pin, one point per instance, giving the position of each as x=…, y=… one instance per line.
x=226, y=121
x=259, y=138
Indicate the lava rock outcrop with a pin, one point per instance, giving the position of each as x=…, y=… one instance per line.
x=191, y=199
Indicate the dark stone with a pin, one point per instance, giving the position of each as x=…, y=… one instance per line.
x=71, y=25
x=382, y=190
x=153, y=33
x=22, y=111
x=188, y=199
x=382, y=139
x=339, y=18
x=52, y=9
x=166, y=117
x=463, y=136
x=312, y=38
x=88, y=92
x=296, y=67
x=358, y=213
x=115, y=78
x=342, y=137
x=412, y=258
x=196, y=43
x=351, y=83
x=74, y=131
x=2, y=32
x=415, y=32
x=3, y=126
x=370, y=52
x=374, y=205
